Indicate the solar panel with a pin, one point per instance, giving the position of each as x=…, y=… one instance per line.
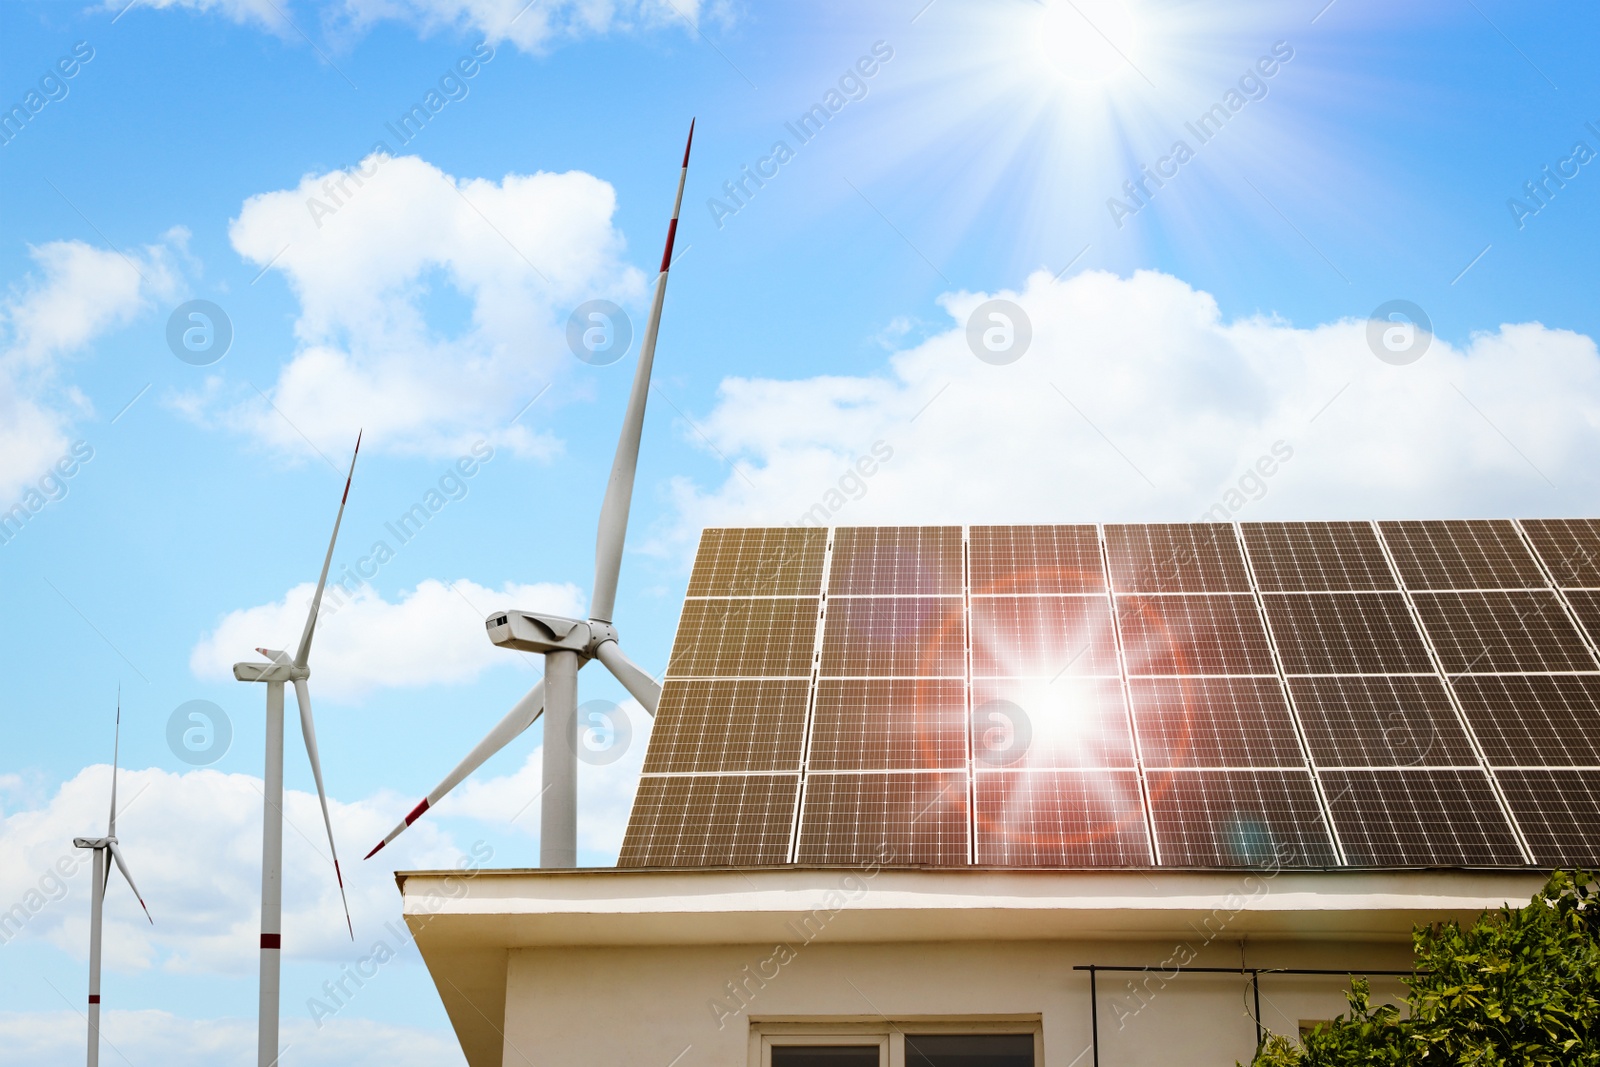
x=889, y=724
x=1477, y=554
x=1186, y=695
x=710, y=820
x=1238, y=819
x=1197, y=557
x=1492, y=633
x=1346, y=633
x=1070, y=722
x=1586, y=606
x=1395, y=721
x=1060, y=819
x=1316, y=557
x=895, y=819
x=896, y=561
x=1570, y=549
x=1193, y=635
x=1419, y=818
x=1556, y=810
x=744, y=638
x=1214, y=722
x=1043, y=636
x=1534, y=720
x=1036, y=559
x=922, y=637
x=759, y=562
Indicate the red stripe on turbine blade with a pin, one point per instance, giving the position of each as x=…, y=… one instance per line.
x=666, y=257
x=274, y=941
x=688, y=145
x=375, y=849
x=94, y=998
x=337, y=875
x=416, y=812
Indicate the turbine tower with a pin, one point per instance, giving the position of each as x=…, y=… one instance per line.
x=568, y=644
x=105, y=852
x=280, y=670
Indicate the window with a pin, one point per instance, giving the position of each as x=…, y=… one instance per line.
x=1006, y=1042
x=969, y=1050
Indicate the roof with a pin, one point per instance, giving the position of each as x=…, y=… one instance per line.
x=1203, y=695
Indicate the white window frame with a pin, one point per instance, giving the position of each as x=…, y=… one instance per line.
x=888, y=1034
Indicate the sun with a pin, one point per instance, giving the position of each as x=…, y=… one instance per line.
x=1086, y=41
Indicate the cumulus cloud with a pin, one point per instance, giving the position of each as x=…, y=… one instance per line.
x=534, y=27
x=1137, y=401
x=373, y=254
x=75, y=294
x=432, y=635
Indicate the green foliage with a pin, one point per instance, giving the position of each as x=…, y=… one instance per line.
x=1521, y=986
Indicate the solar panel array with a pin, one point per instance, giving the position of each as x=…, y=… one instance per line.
x=1196, y=695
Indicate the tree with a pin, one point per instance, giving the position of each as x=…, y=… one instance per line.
x=1521, y=986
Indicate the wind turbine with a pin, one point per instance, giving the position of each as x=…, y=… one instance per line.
x=568, y=644
x=104, y=847
x=280, y=670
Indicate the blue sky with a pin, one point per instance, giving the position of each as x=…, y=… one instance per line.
x=1175, y=339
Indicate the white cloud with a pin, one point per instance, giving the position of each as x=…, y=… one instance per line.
x=376, y=269
x=433, y=635
x=55, y=1039
x=1137, y=401
x=532, y=27
x=77, y=294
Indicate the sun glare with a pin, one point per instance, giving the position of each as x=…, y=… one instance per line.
x=1086, y=40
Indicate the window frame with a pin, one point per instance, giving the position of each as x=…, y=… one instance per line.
x=888, y=1033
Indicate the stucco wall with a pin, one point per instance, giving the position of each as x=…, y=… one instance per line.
x=642, y=1007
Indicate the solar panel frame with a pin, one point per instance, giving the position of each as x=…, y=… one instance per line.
x=847, y=735
x=919, y=637
x=758, y=561
x=923, y=818
x=1345, y=633
x=1555, y=810
x=728, y=724
x=1219, y=633
x=1557, y=718
x=1152, y=558
x=1420, y=817
x=700, y=650
x=1316, y=557
x=1069, y=634
x=1568, y=548
x=1180, y=722
x=896, y=561
x=1103, y=825
x=1014, y=560
x=1381, y=721
x=676, y=818
x=1461, y=554
x=1489, y=632
x=1288, y=827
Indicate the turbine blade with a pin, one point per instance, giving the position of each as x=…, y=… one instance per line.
x=122, y=865
x=116, y=748
x=522, y=716
x=634, y=678
x=304, y=653
x=302, y=697
x=619, y=490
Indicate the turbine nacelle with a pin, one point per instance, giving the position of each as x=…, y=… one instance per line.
x=281, y=669
x=93, y=842
x=528, y=631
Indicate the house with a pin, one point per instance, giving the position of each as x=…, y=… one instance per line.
x=1006, y=796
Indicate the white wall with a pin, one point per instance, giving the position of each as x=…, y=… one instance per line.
x=642, y=1007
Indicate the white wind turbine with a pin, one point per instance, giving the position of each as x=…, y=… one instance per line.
x=279, y=670
x=568, y=644
x=106, y=852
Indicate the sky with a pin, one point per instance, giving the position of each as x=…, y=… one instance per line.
x=1042, y=261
